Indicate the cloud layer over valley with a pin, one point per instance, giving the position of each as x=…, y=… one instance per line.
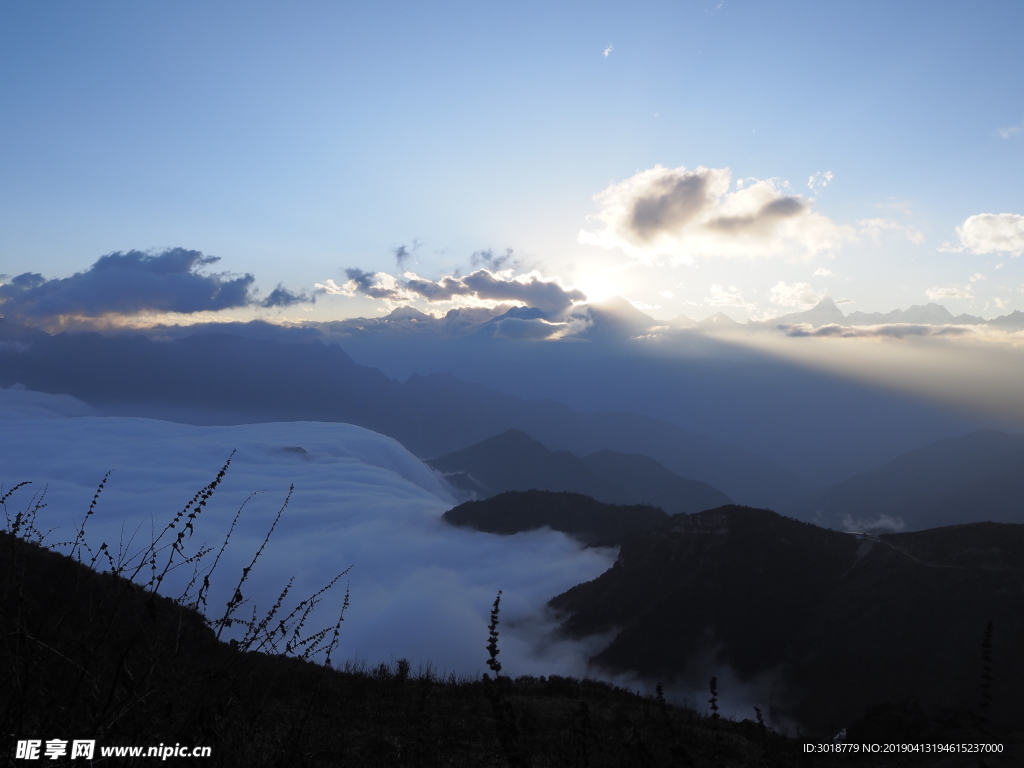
x=420, y=589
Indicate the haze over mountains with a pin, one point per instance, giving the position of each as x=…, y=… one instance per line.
x=819, y=426
x=704, y=404
x=222, y=379
x=966, y=479
x=722, y=379
x=512, y=461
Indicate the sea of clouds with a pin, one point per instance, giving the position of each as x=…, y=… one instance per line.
x=420, y=589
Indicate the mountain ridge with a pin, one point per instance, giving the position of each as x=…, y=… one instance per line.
x=830, y=622
x=513, y=461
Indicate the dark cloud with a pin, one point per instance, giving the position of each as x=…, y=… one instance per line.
x=128, y=283
x=548, y=296
x=763, y=220
x=369, y=283
x=443, y=290
x=403, y=253
x=489, y=261
x=671, y=202
x=282, y=297
x=687, y=213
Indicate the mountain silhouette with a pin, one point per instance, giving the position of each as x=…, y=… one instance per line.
x=922, y=314
x=718, y=320
x=821, y=624
x=513, y=461
x=825, y=312
x=592, y=522
x=972, y=478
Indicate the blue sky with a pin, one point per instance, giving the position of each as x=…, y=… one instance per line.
x=297, y=140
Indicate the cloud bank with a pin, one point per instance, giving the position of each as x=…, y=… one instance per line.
x=420, y=589
x=692, y=213
x=482, y=285
x=889, y=330
x=135, y=283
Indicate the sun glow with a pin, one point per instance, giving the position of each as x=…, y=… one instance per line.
x=598, y=286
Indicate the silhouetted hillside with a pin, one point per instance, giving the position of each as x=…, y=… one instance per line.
x=582, y=517
x=223, y=379
x=92, y=656
x=819, y=623
x=512, y=461
x=965, y=479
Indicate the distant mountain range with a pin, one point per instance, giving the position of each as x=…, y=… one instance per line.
x=591, y=522
x=799, y=427
x=610, y=320
x=976, y=477
x=825, y=312
x=225, y=379
x=618, y=318
x=513, y=461
x=818, y=624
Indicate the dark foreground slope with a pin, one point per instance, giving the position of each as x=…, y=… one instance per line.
x=592, y=522
x=224, y=379
x=835, y=623
x=91, y=656
x=512, y=461
x=975, y=477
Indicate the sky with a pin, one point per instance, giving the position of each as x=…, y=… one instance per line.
x=694, y=157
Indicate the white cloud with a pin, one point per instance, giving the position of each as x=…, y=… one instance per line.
x=845, y=301
x=819, y=180
x=331, y=288
x=375, y=285
x=976, y=277
x=360, y=499
x=991, y=233
x=874, y=228
x=822, y=272
x=1011, y=131
x=949, y=292
x=796, y=295
x=683, y=214
x=727, y=297
x=665, y=294
x=607, y=51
